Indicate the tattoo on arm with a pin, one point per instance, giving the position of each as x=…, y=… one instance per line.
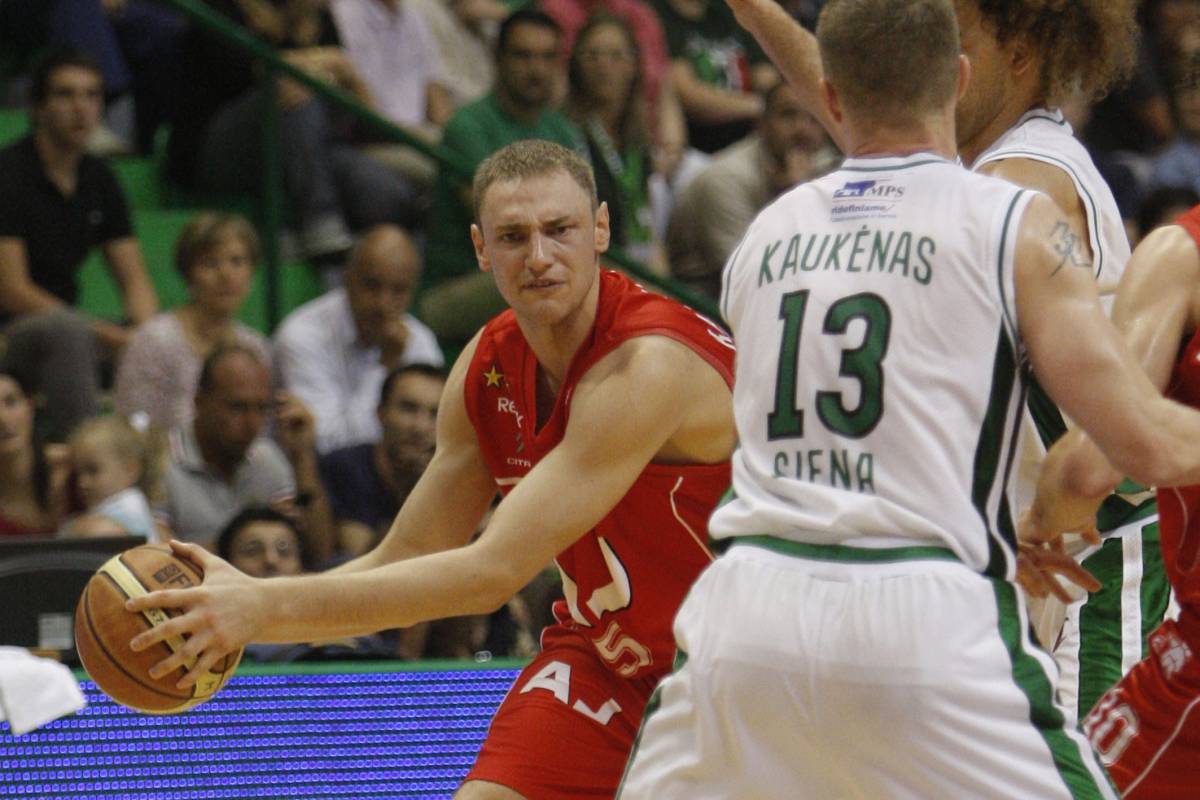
x=1069, y=249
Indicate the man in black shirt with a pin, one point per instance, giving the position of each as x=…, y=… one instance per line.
x=56, y=203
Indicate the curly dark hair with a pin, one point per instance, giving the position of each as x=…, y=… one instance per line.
x=1089, y=46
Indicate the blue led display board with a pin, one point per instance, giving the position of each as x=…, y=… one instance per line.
x=347, y=730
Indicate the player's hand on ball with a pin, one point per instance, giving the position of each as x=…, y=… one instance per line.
x=217, y=617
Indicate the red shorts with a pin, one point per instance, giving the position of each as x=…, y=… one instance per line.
x=567, y=725
x=1146, y=729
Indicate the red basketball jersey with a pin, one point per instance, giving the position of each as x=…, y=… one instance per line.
x=1179, y=509
x=623, y=580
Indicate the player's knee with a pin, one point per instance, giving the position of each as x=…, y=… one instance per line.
x=483, y=790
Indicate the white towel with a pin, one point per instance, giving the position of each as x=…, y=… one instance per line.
x=35, y=691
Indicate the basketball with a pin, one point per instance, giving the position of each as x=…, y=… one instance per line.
x=103, y=629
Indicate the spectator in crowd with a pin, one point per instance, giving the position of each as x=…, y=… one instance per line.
x=367, y=483
x=216, y=140
x=56, y=203
x=393, y=50
x=665, y=117
x=457, y=298
x=717, y=70
x=265, y=543
x=113, y=465
x=1179, y=164
x=33, y=476
x=132, y=43
x=221, y=461
x=717, y=207
x=335, y=351
x=1161, y=207
x=464, y=31
x=216, y=254
x=608, y=104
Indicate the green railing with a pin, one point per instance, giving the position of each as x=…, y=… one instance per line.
x=271, y=197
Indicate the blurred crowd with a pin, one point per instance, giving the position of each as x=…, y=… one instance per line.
x=293, y=449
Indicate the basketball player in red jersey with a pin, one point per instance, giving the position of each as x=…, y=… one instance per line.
x=1147, y=727
x=604, y=415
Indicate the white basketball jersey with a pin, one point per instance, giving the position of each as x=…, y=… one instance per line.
x=1044, y=135
x=877, y=396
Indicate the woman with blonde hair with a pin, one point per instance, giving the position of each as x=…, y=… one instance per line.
x=216, y=255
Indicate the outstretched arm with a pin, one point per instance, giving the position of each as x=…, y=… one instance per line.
x=794, y=52
x=1157, y=303
x=625, y=411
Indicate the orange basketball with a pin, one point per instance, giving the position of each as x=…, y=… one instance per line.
x=103, y=629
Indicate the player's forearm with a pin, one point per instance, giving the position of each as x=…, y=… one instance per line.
x=791, y=48
x=1169, y=452
x=396, y=595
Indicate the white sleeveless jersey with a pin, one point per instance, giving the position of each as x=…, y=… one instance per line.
x=1044, y=135
x=877, y=395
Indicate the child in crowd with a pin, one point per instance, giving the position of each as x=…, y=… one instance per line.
x=113, y=465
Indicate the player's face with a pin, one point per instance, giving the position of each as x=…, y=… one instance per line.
x=266, y=549
x=541, y=240
x=220, y=279
x=16, y=418
x=72, y=107
x=989, y=74
x=99, y=473
x=409, y=419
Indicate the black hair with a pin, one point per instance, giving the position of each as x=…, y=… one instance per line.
x=52, y=61
x=249, y=516
x=416, y=368
x=524, y=16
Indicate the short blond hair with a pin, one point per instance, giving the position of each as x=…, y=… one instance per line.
x=890, y=60
x=528, y=158
x=206, y=231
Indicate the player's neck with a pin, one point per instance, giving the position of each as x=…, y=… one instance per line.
x=1005, y=118
x=881, y=142
x=556, y=344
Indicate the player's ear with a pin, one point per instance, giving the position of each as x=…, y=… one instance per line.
x=603, y=231
x=829, y=99
x=480, y=256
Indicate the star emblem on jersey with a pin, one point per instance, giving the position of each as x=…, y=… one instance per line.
x=493, y=377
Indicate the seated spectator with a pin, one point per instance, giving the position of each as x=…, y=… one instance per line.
x=113, y=464
x=216, y=254
x=216, y=141
x=1179, y=164
x=456, y=297
x=1161, y=207
x=56, y=203
x=367, y=483
x=221, y=461
x=33, y=477
x=394, y=52
x=464, y=31
x=717, y=70
x=264, y=543
x=717, y=207
x=335, y=351
x=606, y=101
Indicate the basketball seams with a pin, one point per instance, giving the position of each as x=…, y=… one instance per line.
x=102, y=646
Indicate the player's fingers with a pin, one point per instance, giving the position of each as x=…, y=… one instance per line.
x=192, y=552
x=1062, y=564
x=1030, y=578
x=203, y=664
x=167, y=598
x=1091, y=534
x=176, y=626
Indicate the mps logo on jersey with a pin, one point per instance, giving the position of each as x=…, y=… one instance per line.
x=865, y=199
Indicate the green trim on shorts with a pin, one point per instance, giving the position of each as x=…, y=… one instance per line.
x=651, y=706
x=1102, y=614
x=1116, y=512
x=854, y=555
x=1031, y=678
